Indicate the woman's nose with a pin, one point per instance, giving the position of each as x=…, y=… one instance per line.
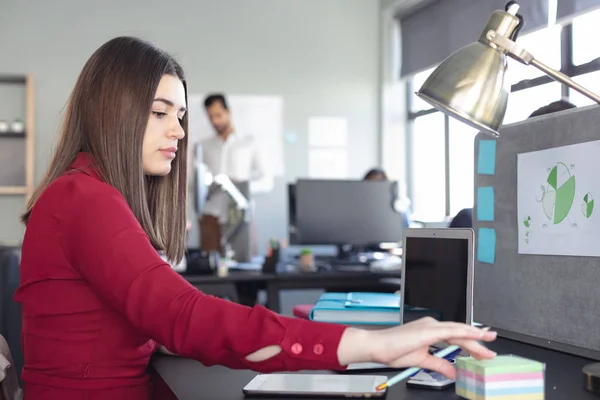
x=177, y=131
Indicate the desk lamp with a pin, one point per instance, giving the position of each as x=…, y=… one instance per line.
x=207, y=184
x=470, y=84
x=241, y=204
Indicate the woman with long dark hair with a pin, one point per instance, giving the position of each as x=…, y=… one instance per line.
x=97, y=298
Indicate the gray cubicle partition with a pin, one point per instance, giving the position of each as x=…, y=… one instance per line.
x=551, y=301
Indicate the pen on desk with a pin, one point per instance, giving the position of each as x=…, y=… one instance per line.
x=414, y=370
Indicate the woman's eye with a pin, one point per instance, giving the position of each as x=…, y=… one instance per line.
x=159, y=114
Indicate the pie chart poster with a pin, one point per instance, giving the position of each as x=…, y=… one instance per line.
x=556, y=189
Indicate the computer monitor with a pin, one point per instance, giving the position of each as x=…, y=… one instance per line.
x=344, y=212
x=437, y=274
x=291, y=202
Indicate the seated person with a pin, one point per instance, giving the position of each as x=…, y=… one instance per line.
x=375, y=174
x=464, y=219
x=98, y=300
x=555, y=106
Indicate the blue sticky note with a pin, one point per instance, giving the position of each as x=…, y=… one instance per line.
x=486, y=160
x=486, y=245
x=485, y=203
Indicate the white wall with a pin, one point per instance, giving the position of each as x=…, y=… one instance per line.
x=322, y=56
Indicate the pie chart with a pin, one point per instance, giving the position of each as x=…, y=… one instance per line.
x=559, y=193
x=588, y=205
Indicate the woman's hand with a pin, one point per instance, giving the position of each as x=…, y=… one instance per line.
x=408, y=345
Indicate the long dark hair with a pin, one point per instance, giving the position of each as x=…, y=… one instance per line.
x=106, y=116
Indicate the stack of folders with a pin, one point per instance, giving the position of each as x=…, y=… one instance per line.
x=365, y=309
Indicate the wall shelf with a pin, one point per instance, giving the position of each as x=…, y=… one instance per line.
x=17, y=148
x=14, y=190
x=13, y=135
x=17, y=79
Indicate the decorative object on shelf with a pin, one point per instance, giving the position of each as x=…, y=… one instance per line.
x=307, y=260
x=17, y=154
x=17, y=126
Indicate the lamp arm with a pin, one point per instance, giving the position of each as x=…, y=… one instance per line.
x=241, y=204
x=518, y=53
x=562, y=78
x=233, y=231
x=240, y=201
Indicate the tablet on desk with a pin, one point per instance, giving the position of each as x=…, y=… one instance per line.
x=315, y=385
x=372, y=366
x=367, y=366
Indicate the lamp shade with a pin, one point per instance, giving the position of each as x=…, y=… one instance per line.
x=470, y=85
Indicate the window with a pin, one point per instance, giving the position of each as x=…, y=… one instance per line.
x=585, y=41
x=428, y=165
x=461, y=160
x=416, y=104
x=590, y=81
x=328, y=148
x=440, y=187
x=585, y=50
x=522, y=103
x=545, y=45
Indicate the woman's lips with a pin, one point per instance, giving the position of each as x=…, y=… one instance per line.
x=169, y=152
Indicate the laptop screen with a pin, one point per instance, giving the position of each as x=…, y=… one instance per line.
x=435, y=281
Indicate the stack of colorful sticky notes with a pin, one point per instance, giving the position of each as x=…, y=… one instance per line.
x=505, y=377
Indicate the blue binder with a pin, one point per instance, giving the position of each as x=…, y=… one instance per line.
x=357, y=308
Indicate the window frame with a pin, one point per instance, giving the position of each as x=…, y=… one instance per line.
x=567, y=67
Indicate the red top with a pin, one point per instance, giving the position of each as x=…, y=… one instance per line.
x=97, y=299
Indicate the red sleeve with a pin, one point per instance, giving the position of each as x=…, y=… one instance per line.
x=106, y=244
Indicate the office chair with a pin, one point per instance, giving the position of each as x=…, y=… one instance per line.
x=10, y=310
x=9, y=383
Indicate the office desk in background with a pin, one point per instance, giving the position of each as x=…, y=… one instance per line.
x=189, y=379
x=329, y=280
x=231, y=284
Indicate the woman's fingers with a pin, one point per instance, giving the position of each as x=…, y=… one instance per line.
x=465, y=336
x=436, y=330
x=475, y=349
x=438, y=364
x=453, y=330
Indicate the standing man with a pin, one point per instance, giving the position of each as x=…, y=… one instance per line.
x=234, y=154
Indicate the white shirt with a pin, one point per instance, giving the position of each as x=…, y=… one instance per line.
x=240, y=158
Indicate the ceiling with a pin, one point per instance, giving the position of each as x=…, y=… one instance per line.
x=404, y=7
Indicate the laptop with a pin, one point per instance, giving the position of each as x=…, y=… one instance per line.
x=437, y=278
